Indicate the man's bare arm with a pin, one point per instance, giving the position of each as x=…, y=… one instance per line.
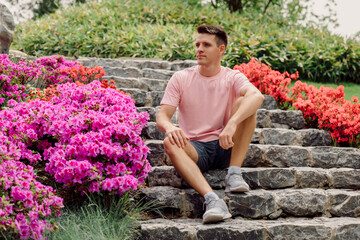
x=251, y=101
x=175, y=134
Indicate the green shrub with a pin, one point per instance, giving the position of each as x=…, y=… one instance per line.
x=101, y=218
x=166, y=29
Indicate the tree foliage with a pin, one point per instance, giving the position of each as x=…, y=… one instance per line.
x=297, y=11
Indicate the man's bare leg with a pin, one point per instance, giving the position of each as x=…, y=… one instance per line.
x=242, y=137
x=184, y=161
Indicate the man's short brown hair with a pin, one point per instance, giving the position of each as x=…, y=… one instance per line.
x=219, y=32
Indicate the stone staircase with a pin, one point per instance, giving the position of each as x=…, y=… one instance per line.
x=301, y=187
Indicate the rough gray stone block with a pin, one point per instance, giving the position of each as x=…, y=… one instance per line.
x=345, y=178
x=269, y=178
x=269, y=103
x=121, y=82
x=330, y=157
x=263, y=119
x=157, y=74
x=140, y=97
x=293, y=119
x=253, y=204
x=164, y=176
x=230, y=232
x=165, y=196
x=107, y=62
x=311, y=178
x=287, y=231
x=7, y=28
x=279, y=137
x=216, y=178
x=305, y=202
x=254, y=156
x=123, y=72
x=150, y=131
x=156, y=97
x=314, y=137
x=154, y=84
x=348, y=232
x=148, y=63
x=344, y=202
x=157, y=156
x=280, y=156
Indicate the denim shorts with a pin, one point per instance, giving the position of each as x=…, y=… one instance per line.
x=211, y=155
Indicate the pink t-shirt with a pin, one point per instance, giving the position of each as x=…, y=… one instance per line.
x=204, y=102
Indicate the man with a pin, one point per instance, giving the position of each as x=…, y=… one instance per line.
x=217, y=113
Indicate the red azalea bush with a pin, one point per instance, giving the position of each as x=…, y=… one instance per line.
x=325, y=108
x=81, y=74
x=328, y=109
x=268, y=81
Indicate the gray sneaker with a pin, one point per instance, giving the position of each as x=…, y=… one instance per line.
x=235, y=183
x=216, y=210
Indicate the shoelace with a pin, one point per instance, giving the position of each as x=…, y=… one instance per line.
x=237, y=177
x=209, y=204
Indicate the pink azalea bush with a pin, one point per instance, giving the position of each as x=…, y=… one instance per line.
x=86, y=137
x=25, y=202
x=89, y=137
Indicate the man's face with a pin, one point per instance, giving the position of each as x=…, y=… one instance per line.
x=207, y=50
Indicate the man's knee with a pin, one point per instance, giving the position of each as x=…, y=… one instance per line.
x=169, y=147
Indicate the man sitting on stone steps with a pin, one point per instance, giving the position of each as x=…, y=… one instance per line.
x=217, y=118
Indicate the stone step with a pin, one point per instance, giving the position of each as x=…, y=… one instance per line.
x=134, y=72
x=342, y=228
x=153, y=85
x=144, y=98
x=260, y=203
x=146, y=84
x=274, y=136
x=259, y=155
x=267, y=178
x=137, y=63
x=265, y=118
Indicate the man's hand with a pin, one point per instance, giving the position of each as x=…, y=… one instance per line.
x=177, y=136
x=226, y=136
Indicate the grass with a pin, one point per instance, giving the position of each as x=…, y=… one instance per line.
x=350, y=89
x=100, y=218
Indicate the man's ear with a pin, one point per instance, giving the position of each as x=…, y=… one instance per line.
x=222, y=49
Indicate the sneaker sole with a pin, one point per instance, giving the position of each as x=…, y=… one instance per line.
x=236, y=189
x=216, y=218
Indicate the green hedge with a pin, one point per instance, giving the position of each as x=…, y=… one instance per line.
x=166, y=29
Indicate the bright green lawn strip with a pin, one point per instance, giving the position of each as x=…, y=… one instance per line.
x=350, y=89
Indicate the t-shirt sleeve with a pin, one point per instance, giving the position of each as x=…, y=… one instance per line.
x=172, y=92
x=240, y=81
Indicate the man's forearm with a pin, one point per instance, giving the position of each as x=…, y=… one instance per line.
x=248, y=107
